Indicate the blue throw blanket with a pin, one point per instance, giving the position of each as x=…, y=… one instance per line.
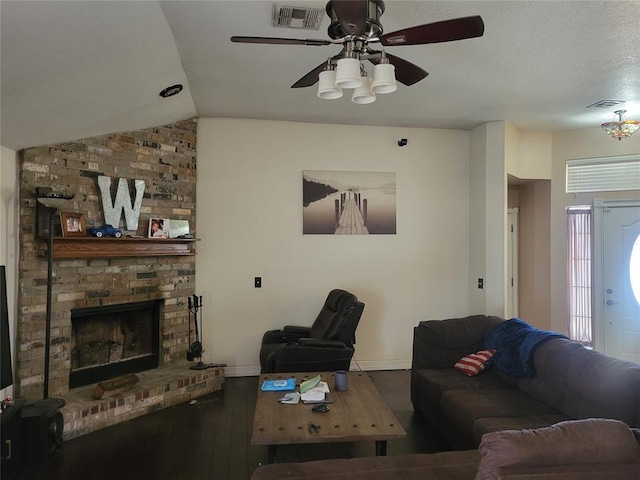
x=515, y=343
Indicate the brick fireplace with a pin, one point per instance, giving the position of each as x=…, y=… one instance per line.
x=165, y=158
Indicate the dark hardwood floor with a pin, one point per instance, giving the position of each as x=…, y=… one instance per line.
x=211, y=439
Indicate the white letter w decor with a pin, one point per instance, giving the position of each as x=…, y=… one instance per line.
x=113, y=212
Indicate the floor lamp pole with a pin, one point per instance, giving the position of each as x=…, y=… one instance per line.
x=47, y=328
x=51, y=202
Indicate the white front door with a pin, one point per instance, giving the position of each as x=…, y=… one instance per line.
x=619, y=295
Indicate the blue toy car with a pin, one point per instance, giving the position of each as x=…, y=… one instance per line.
x=106, y=230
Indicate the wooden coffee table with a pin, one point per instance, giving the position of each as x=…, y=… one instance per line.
x=357, y=414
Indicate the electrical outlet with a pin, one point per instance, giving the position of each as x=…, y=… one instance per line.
x=257, y=282
x=481, y=283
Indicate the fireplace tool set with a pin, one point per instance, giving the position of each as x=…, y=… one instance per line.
x=195, y=349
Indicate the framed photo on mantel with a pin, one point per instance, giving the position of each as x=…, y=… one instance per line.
x=73, y=224
x=158, y=227
x=179, y=229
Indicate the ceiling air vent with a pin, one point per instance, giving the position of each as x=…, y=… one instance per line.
x=606, y=104
x=285, y=16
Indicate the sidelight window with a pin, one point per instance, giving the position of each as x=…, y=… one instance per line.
x=580, y=326
x=634, y=269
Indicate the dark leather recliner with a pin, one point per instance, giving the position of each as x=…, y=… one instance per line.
x=325, y=346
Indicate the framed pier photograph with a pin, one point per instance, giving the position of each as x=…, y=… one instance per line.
x=348, y=203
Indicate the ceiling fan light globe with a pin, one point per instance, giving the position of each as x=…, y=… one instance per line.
x=384, y=78
x=348, y=73
x=363, y=94
x=327, y=89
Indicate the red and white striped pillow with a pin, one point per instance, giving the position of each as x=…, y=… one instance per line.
x=474, y=363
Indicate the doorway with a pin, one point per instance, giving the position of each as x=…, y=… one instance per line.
x=616, y=274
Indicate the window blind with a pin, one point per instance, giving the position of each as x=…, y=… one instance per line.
x=603, y=174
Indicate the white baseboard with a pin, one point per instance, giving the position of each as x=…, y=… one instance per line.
x=242, y=371
x=365, y=365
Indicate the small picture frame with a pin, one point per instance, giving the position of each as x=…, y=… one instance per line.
x=179, y=229
x=72, y=224
x=158, y=227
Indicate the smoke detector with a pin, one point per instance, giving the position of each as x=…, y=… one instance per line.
x=286, y=16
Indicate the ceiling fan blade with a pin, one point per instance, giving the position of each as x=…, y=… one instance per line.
x=407, y=73
x=280, y=41
x=445, y=31
x=352, y=15
x=311, y=78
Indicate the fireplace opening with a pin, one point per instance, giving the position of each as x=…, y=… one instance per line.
x=113, y=340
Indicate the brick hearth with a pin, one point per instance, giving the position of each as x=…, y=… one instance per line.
x=165, y=158
x=156, y=389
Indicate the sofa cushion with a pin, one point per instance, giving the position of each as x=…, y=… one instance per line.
x=551, y=362
x=583, y=383
x=435, y=381
x=496, y=424
x=441, y=343
x=463, y=407
x=566, y=443
x=587, y=471
x=449, y=465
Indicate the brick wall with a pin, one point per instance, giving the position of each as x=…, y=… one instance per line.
x=165, y=158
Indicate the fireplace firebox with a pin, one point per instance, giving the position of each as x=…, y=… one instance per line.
x=113, y=340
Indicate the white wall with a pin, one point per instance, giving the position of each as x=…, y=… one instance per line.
x=249, y=220
x=587, y=143
x=8, y=237
x=528, y=154
x=488, y=219
x=496, y=220
x=477, y=217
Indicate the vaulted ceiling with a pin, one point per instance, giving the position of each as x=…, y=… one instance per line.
x=75, y=69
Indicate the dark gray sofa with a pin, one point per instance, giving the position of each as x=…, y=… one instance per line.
x=571, y=382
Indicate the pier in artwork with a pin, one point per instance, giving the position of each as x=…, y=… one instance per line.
x=351, y=214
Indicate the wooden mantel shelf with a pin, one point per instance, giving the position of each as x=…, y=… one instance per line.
x=109, y=247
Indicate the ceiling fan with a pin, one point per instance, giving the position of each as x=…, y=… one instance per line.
x=356, y=23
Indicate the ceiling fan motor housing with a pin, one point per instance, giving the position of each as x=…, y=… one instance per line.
x=372, y=28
